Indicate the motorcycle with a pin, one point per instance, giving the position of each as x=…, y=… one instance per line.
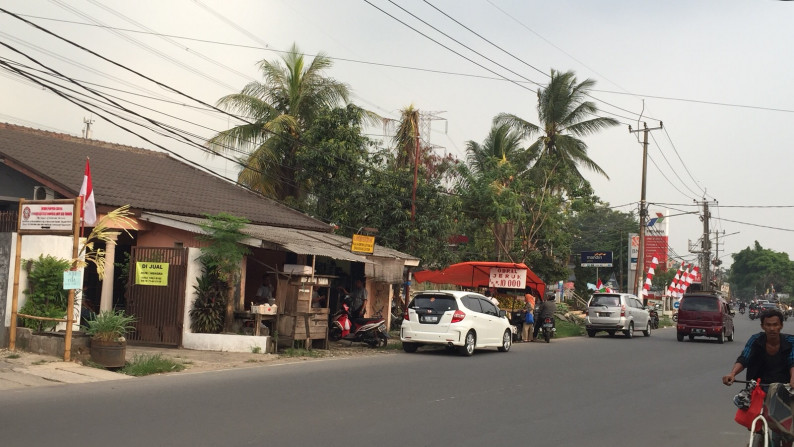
x=741, y=310
x=517, y=319
x=753, y=313
x=371, y=331
x=548, y=328
x=654, y=314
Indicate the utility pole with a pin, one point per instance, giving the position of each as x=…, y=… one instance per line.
x=643, y=203
x=706, y=260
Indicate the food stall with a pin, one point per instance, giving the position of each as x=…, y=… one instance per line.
x=298, y=320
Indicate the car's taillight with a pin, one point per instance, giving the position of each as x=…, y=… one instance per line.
x=623, y=310
x=458, y=316
x=405, y=315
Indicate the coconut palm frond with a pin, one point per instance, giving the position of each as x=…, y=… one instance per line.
x=104, y=230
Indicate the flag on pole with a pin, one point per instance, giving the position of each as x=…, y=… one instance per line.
x=88, y=213
x=599, y=285
x=672, y=290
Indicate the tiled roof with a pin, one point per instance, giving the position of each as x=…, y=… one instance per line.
x=146, y=180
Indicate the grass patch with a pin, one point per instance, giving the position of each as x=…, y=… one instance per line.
x=567, y=329
x=146, y=364
x=13, y=356
x=665, y=321
x=300, y=352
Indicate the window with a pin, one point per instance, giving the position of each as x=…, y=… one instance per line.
x=605, y=300
x=472, y=303
x=435, y=303
x=489, y=308
x=700, y=303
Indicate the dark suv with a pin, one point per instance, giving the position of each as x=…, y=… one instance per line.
x=704, y=314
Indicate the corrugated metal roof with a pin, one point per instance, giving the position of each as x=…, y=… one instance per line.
x=302, y=242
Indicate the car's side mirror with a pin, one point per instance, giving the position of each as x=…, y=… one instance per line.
x=502, y=313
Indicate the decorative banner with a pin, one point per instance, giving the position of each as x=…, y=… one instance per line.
x=651, y=270
x=72, y=279
x=52, y=216
x=363, y=244
x=507, y=278
x=151, y=273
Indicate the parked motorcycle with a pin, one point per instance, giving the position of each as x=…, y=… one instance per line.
x=371, y=331
x=517, y=319
x=548, y=328
x=654, y=314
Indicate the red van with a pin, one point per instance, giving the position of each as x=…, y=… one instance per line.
x=704, y=314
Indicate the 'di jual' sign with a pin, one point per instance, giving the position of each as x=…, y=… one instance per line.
x=151, y=273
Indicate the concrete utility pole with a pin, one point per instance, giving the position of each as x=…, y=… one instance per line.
x=705, y=267
x=643, y=203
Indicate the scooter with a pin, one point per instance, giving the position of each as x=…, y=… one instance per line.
x=548, y=328
x=371, y=331
x=654, y=314
x=753, y=313
x=741, y=310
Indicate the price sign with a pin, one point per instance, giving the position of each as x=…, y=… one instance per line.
x=507, y=278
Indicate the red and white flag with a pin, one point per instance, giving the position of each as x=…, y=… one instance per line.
x=672, y=289
x=88, y=213
x=649, y=277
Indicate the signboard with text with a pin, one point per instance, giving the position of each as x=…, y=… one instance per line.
x=507, y=278
x=596, y=258
x=363, y=244
x=47, y=216
x=151, y=273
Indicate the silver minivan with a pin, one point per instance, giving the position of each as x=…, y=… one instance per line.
x=612, y=312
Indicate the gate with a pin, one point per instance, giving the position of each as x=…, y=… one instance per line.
x=158, y=310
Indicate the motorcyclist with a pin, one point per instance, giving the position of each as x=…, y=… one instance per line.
x=544, y=310
x=768, y=355
x=741, y=306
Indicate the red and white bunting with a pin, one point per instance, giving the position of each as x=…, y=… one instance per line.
x=673, y=287
x=651, y=271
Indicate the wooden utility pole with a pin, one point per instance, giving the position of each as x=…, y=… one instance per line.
x=643, y=204
x=705, y=268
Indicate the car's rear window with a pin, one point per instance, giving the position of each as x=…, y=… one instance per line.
x=702, y=303
x=438, y=303
x=605, y=300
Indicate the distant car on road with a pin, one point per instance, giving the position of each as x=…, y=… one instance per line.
x=612, y=312
x=455, y=319
x=704, y=314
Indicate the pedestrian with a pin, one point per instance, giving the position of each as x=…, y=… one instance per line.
x=529, y=318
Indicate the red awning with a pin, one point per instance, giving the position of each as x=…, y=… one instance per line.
x=476, y=274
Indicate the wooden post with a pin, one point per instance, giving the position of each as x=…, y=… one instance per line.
x=67, y=348
x=12, y=337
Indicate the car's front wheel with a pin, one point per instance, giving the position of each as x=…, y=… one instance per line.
x=507, y=341
x=409, y=347
x=468, y=344
x=647, y=331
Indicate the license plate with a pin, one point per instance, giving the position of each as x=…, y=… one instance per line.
x=698, y=331
x=604, y=314
x=430, y=319
x=548, y=325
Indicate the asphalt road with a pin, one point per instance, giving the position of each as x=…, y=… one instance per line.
x=579, y=391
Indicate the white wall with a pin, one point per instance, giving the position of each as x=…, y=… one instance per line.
x=32, y=247
x=212, y=342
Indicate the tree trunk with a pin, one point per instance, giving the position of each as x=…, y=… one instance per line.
x=228, y=321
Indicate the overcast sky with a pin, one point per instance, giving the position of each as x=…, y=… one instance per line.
x=717, y=73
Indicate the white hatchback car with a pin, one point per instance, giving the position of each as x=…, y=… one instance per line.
x=456, y=319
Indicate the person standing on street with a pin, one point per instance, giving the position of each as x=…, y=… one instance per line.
x=529, y=319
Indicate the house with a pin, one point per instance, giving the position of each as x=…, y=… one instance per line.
x=169, y=199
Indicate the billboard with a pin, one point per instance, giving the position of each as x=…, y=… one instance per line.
x=596, y=258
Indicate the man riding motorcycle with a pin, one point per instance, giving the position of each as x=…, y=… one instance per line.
x=768, y=355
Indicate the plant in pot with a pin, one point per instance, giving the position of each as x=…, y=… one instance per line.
x=108, y=344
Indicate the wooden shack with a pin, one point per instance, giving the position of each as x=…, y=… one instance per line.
x=298, y=320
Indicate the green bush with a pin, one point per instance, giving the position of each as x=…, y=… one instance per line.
x=109, y=325
x=45, y=294
x=209, y=307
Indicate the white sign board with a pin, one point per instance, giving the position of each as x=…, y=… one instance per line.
x=507, y=278
x=52, y=216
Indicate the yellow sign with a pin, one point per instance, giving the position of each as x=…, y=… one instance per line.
x=363, y=244
x=151, y=273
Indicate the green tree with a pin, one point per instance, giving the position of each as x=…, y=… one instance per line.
x=756, y=270
x=278, y=110
x=45, y=294
x=224, y=254
x=565, y=116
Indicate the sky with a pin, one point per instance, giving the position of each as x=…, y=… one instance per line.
x=715, y=74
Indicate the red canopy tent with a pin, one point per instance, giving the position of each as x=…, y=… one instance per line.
x=476, y=274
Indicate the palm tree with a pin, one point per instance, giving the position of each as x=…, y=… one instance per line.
x=406, y=139
x=503, y=145
x=277, y=110
x=565, y=117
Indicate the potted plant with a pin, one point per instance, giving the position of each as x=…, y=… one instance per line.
x=108, y=344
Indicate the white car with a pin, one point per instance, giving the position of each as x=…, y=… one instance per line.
x=456, y=319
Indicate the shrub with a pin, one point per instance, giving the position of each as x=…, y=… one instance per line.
x=209, y=307
x=45, y=294
x=146, y=364
x=109, y=325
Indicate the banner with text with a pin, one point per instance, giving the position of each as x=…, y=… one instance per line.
x=151, y=273
x=507, y=278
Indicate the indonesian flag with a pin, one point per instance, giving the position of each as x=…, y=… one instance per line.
x=599, y=285
x=88, y=213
